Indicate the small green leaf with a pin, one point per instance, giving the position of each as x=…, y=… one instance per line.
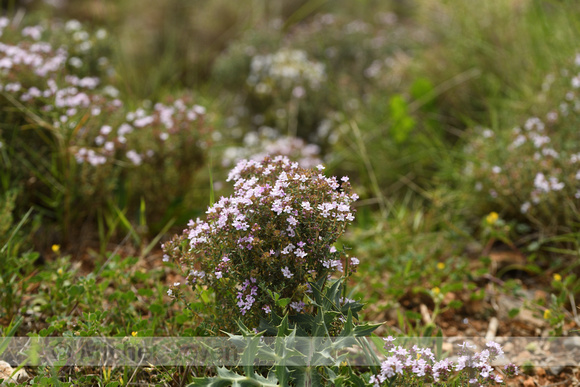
x=205, y=297
x=401, y=123
x=532, y=268
x=156, y=309
x=283, y=302
x=412, y=315
x=129, y=296
x=365, y=329
x=76, y=290
x=146, y=292
x=275, y=296
x=182, y=318
x=421, y=88
x=452, y=287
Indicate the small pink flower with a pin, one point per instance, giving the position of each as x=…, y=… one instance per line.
x=286, y=272
x=292, y=221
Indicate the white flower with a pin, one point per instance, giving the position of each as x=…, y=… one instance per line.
x=520, y=139
x=487, y=133
x=286, y=272
x=540, y=140
x=75, y=62
x=135, y=157
x=105, y=130
x=73, y=25
x=525, y=207
x=101, y=34
x=541, y=183
x=300, y=253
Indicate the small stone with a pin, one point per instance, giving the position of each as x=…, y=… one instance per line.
x=540, y=371
x=571, y=343
x=6, y=371
x=529, y=382
x=556, y=370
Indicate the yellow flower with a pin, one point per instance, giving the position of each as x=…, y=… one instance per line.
x=547, y=314
x=60, y=271
x=492, y=217
x=55, y=249
x=557, y=277
x=436, y=290
x=134, y=334
x=441, y=265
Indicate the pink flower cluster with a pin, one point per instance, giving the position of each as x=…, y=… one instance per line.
x=277, y=231
x=159, y=124
x=535, y=134
x=240, y=212
x=534, y=168
x=250, y=291
x=420, y=363
x=48, y=80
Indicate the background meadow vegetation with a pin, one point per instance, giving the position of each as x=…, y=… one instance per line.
x=454, y=120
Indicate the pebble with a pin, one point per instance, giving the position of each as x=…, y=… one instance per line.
x=571, y=343
x=555, y=370
x=6, y=371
